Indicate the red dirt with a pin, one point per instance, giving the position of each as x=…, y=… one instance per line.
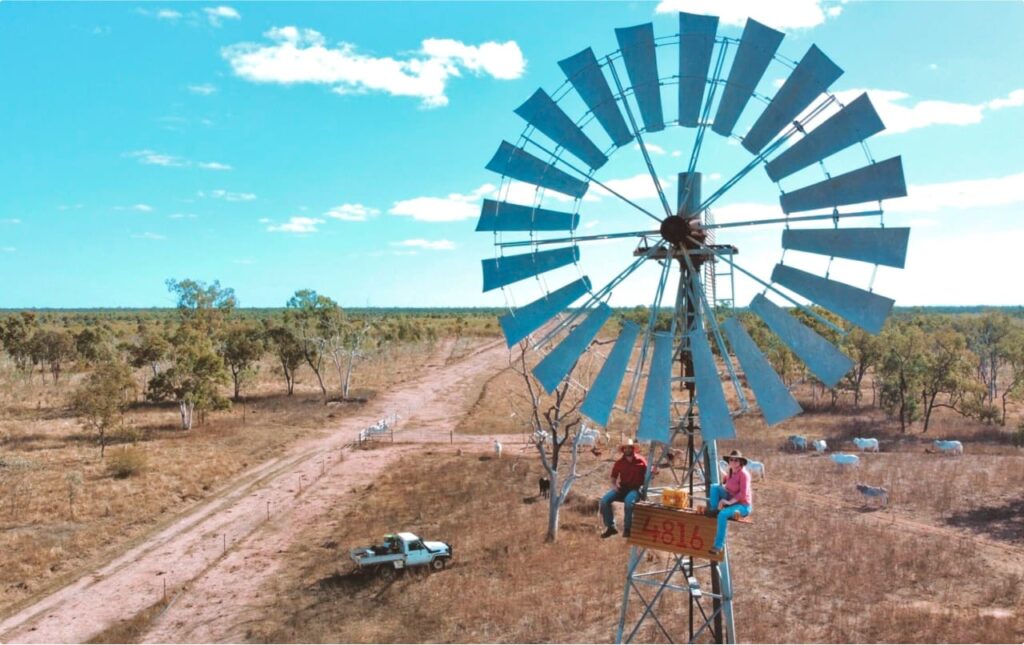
x=214, y=559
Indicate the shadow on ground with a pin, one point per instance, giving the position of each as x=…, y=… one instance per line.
x=1004, y=522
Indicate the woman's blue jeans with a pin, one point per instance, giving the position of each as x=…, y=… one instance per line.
x=628, y=498
x=718, y=493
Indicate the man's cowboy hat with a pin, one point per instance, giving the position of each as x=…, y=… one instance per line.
x=628, y=443
x=736, y=454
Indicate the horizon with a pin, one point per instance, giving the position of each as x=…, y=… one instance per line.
x=341, y=147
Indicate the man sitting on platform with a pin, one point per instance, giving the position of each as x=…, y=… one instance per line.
x=628, y=475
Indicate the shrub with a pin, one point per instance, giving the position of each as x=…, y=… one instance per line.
x=128, y=461
x=1018, y=436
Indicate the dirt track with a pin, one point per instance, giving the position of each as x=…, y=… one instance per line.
x=213, y=560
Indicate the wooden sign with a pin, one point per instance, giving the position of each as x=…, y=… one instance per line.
x=676, y=530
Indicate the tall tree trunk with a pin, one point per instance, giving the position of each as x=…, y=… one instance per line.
x=348, y=376
x=236, y=375
x=554, y=507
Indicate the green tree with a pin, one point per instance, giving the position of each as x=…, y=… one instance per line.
x=204, y=307
x=150, y=349
x=309, y=314
x=900, y=370
x=16, y=335
x=1013, y=350
x=242, y=349
x=285, y=346
x=91, y=345
x=103, y=397
x=947, y=370
x=865, y=349
x=52, y=349
x=985, y=335
x=193, y=378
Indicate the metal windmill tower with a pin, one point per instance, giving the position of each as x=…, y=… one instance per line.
x=795, y=136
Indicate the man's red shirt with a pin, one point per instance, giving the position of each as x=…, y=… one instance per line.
x=630, y=473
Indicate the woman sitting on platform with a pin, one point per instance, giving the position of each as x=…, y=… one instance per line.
x=731, y=498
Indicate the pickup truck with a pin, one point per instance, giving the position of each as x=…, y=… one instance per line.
x=401, y=551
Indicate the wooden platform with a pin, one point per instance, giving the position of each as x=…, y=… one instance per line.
x=675, y=530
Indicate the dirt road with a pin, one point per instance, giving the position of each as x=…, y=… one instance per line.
x=212, y=561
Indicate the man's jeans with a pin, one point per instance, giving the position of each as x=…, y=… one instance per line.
x=628, y=498
x=718, y=493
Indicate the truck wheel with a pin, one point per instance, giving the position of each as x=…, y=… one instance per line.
x=437, y=564
x=386, y=572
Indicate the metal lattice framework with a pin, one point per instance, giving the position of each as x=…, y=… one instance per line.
x=800, y=130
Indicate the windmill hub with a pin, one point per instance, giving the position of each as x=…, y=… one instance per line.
x=682, y=232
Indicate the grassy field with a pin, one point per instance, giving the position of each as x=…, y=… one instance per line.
x=943, y=563
x=61, y=510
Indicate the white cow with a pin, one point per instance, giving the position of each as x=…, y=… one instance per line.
x=843, y=459
x=949, y=447
x=797, y=442
x=756, y=467
x=819, y=446
x=866, y=444
x=497, y=448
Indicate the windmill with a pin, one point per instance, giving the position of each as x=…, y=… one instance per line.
x=810, y=144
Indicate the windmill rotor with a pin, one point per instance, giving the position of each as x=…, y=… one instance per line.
x=807, y=143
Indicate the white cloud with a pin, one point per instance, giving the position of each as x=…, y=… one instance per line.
x=8, y=249
x=11, y=220
x=265, y=220
x=167, y=14
x=1013, y=99
x=214, y=165
x=302, y=56
x=297, y=225
x=901, y=115
x=791, y=14
x=182, y=216
x=140, y=208
x=636, y=187
x=204, y=89
x=229, y=196
x=964, y=194
x=651, y=148
x=151, y=158
x=452, y=208
x=148, y=236
x=743, y=211
x=430, y=245
x=217, y=14
x=352, y=212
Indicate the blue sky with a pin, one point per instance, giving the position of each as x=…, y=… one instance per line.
x=341, y=147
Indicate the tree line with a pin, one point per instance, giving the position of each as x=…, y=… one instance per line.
x=206, y=349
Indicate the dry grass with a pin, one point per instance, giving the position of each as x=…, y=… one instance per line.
x=48, y=534
x=803, y=572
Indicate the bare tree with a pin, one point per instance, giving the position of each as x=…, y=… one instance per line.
x=556, y=422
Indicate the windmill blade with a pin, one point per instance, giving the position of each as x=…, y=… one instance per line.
x=850, y=125
x=527, y=319
x=543, y=113
x=637, y=46
x=777, y=404
x=696, y=41
x=813, y=75
x=507, y=269
x=584, y=72
x=886, y=246
x=757, y=47
x=655, y=417
x=601, y=397
x=863, y=308
x=559, y=361
x=518, y=164
x=715, y=420
x=882, y=180
x=506, y=216
x=823, y=359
